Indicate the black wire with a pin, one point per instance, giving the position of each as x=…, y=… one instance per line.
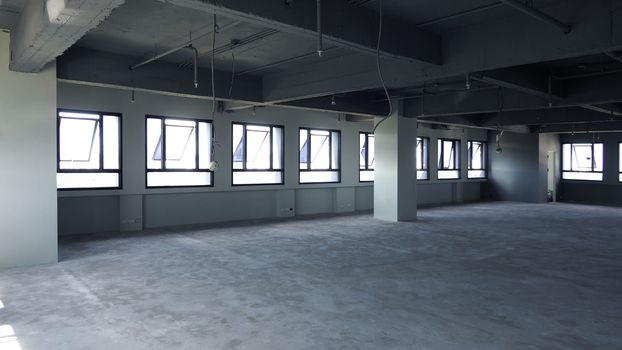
x=232, y=72
x=384, y=85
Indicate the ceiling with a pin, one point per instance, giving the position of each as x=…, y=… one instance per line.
x=488, y=49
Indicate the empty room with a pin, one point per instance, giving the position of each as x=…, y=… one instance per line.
x=310, y=174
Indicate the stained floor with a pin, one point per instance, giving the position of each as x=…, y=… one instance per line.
x=478, y=276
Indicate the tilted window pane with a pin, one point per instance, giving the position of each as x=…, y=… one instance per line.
x=371, y=151
x=335, y=150
x=258, y=148
x=277, y=148
x=238, y=146
x=362, y=150
x=205, y=145
x=304, y=144
x=154, y=143
x=320, y=151
x=180, y=145
x=79, y=143
x=582, y=157
x=111, y=142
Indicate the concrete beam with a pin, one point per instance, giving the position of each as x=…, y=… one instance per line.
x=597, y=90
x=106, y=69
x=342, y=24
x=611, y=126
x=356, y=105
x=501, y=43
x=547, y=116
x=524, y=79
x=46, y=29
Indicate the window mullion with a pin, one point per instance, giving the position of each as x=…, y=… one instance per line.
x=101, y=142
x=308, y=149
x=244, y=146
x=271, y=140
x=163, y=150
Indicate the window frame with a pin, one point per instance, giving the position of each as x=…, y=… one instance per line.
x=619, y=161
x=163, y=156
x=457, y=159
x=330, y=148
x=366, y=168
x=424, y=140
x=101, y=169
x=582, y=171
x=282, y=170
x=484, y=160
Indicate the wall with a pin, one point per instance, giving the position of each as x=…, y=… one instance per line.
x=609, y=191
x=28, y=234
x=135, y=207
x=436, y=192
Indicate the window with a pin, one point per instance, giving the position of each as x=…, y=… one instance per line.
x=448, y=159
x=319, y=156
x=367, y=156
x=257, y=154
x=178, y=152
x=423, y=158
x=89, y=150
x=582, y=161
x=477, y=159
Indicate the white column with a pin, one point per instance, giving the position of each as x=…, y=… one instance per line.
x=28, y=218
x=395, y=191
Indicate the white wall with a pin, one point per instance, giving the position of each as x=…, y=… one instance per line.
x=28, y=229
x=135, y=207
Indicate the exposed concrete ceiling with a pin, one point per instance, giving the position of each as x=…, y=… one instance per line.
x=9, y=12
x=429, y=47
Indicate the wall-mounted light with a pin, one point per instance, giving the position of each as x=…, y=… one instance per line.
x=133, y=96
x=332, y=101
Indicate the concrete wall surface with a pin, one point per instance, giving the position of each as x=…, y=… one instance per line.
x=134, y=207
x=28, y=213
x=608, y=191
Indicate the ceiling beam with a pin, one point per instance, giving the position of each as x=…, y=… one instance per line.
x=546, y=116
x=342, y=24
x=46, y=29
x=524, y=79
x=500, y=43
x=580, y=92
x=611, y=126
x=107, y=69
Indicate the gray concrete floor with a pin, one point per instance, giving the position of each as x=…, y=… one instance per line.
x=481, y=276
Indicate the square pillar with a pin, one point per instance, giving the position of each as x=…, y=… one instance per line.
x=395, y=183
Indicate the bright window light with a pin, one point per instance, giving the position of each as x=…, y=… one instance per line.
x=367, y=156
x=582, y=161
x=476, y=151
x=89, y=146
x=257, y=154
x=448, y=159
x=319, y=152
x=423, y=158
x=178, y=152
x=8, y=340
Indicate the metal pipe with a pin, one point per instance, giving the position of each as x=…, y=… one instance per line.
x=180, y=47
x=320, y=46
x=566, y=28
x=195, y=60
x=460, y=14
x=284, y=61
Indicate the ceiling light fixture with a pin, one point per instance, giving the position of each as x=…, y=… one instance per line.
x=332, y=101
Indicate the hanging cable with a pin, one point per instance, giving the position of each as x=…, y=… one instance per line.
x=213, y=163
x=384, y=85
x=232, y=72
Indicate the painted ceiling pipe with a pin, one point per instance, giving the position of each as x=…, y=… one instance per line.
x=320, y=46
x=566, y=28
x=195, y=61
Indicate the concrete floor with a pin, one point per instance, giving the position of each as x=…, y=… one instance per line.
x=482, y=276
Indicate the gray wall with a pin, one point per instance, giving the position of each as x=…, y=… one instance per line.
x=609, y=191
x=28, y=233
x=134, y=207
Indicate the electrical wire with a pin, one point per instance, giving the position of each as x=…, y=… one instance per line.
x=384, y=85
x=232, y=72
x=213, y=148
